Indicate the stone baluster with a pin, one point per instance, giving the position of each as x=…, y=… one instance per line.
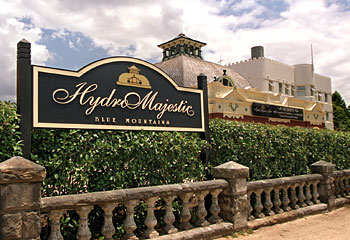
x=285, y=200
x=293, y=197
x=55, y=217
x=129, y=223
x=342, y=186
x=169, y=217
x=326, y=185
x=151, y=220
x=249, y=207
x=83, y=230
x=339, y=187
x=258, y=207
x=308, y=194
x=108, y=228
x=214, y=208
x=314, y=192
x=277, y=201
x=347, y=186
x=336, y=188
x=201, y=211
x=267, y=203
x=301, y=196
x=185, y=214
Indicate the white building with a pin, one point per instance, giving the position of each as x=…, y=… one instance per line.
x=287, y=81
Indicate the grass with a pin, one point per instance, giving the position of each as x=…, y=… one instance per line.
x=242, y=233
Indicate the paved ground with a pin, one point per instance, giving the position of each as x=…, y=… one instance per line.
x=328, y=226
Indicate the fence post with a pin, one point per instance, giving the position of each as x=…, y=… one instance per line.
x=326, y=186
x=20, y=198
x=203, y=85
x=233, y=201
x=24, y=95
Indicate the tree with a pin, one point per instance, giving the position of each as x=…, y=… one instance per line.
x=341, y=113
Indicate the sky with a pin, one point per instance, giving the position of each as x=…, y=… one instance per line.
x=70, y=34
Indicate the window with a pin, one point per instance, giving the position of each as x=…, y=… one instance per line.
x=319, y=97
x=327, y=115
x=225, y=80
x=292, y=91
x=312, y=91
x=326, y=97
x=301, y=90
x=286, y=89
x=271, y=86
x=280, y=87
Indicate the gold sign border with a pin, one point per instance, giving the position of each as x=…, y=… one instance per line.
x=38, y=69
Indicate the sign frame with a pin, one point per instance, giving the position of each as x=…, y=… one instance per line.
x=87, y=68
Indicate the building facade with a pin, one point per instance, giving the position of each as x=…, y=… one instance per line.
x=256, y=90
x=297, y=81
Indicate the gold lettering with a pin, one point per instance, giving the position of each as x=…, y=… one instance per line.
x=133, y=121
x=102, y=119
x=89, y=89
x=97, y=119
x=115, y=102
x=114, y=120
x=146, y=102
x=167, y=122
x=72, y=97
x=107, y=103
x=108, y=119
x=131, y=100
x=189, y=111
x=127, y=120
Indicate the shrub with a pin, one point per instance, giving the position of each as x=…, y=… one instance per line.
x=276, y=151
x=88, y=160
x=10, y=137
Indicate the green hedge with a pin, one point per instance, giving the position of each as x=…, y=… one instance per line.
x=276, y=151
x=9, y=131
x=88, y=160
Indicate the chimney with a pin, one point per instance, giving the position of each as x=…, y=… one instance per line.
x=257, y=51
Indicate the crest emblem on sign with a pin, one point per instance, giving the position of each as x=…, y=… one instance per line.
x=133, y=78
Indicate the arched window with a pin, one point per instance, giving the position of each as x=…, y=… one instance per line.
x=226, y=81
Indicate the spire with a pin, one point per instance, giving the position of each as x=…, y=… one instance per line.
x=312, y=61
x=220, y=61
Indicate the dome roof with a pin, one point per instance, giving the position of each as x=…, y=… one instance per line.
x=185, y=69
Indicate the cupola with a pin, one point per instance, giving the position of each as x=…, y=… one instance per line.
x=181, y=45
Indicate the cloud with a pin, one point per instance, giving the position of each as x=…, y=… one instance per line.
x=12, y=31
x=230, y=28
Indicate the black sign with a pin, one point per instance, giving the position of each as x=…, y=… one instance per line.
x=274, y=111
x=114, y=93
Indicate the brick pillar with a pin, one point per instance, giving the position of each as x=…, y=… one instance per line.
x=326, y=186
x=233, y=201
x=20, y=182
